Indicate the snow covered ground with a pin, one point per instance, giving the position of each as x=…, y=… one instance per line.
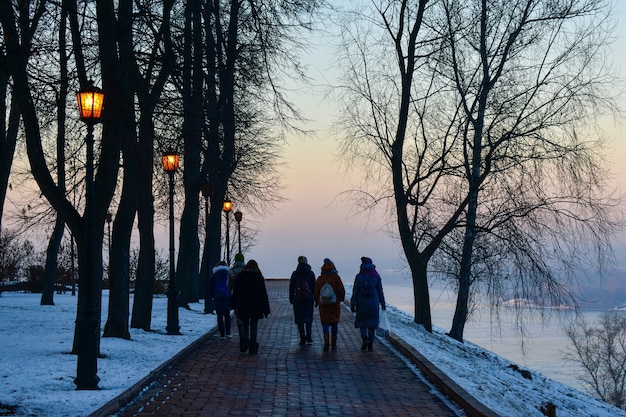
x=37, y=372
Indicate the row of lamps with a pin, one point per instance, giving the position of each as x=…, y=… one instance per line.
x=90, y=103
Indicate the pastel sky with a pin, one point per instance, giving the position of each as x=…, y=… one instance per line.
x=314, y=221
x=314, y=224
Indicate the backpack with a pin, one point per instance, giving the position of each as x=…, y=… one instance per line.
x=221, y=286
x=303, y=290
x=367, y=290
x=327, y=294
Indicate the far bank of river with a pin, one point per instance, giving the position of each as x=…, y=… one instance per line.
x=542, y=348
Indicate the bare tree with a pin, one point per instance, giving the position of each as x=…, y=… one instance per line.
x=601, y=351
x=480, y=133
x=531, y=79
x=235, y=55
x=396, y=124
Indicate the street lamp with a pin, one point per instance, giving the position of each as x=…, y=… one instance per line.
x=238, y=217
x=227, y=207
x=170, y=165
x=90, y=101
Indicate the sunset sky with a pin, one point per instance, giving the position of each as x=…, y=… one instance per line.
x=314, y=220
x=315, y=224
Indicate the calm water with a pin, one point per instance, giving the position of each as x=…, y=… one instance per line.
x=541, y=349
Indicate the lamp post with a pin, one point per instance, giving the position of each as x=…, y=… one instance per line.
x=227, y=207
x=90, y=100
x=238, y=217
x=170, y=165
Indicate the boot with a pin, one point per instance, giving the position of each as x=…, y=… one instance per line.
x=333, y=342
x=326, y=343
x=364, y=345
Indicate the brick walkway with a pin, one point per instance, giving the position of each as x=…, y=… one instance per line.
x=286, y=379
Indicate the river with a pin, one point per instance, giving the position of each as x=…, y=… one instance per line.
x=542, y=348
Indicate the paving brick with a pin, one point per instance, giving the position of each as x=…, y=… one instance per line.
x=286, y=379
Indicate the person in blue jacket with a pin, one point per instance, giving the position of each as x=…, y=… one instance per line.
x=367, y=294
x=220, y=294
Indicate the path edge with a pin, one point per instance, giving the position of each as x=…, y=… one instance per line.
x=117, y=403
x=452, y=390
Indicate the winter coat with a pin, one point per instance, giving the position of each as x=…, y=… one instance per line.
x=250, y=299
x=238, y=266
x=366, y=307
x=221, y=305
x=330, y=313
x=302, y=310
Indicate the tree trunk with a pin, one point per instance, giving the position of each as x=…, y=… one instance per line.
x=187, y=273
x=52, y=253
x=144, y=284
x=119, y=274
x=8, y=139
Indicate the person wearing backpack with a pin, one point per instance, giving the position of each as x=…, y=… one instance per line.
x=220, y=294
x=367, y=294
x=251, y=304
x=301, y=288
x=329, y=293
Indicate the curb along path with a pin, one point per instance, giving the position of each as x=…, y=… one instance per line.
x=286, y=379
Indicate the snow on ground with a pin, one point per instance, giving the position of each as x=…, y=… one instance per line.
x=37, y=372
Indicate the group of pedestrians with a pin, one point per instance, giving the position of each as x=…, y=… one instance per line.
x=242, y=289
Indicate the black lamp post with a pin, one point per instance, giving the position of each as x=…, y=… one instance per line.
x=170, y=165
x=227, y=207
x=238, y=217
x=90, y=100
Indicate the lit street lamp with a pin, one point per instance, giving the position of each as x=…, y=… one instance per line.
x=90, y=101
x=170, y=165
x=227, y=207
x=238, y=217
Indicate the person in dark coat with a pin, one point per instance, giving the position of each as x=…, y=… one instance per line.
x=301, y=287
x=367, y=294
x=219, y=293
x=237, y=267
x=251, y=304
x=330, y=312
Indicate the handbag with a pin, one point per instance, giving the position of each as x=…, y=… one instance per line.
x=383, y=329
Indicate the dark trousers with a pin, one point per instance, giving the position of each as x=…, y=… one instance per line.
x=368, y=332
x=305, y=331
x=248, y=333
x=333, y=329
x=223, y=322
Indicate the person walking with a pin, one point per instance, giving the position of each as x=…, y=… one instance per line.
x=220, y=294
x=329, y=293
x=301, y=288
x=251, y=304
x=237, y=267
x=367, y=294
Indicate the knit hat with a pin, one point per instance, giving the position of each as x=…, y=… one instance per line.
x=302, y=260
x=328, y=266
x=366, y=260
x=239, y=257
